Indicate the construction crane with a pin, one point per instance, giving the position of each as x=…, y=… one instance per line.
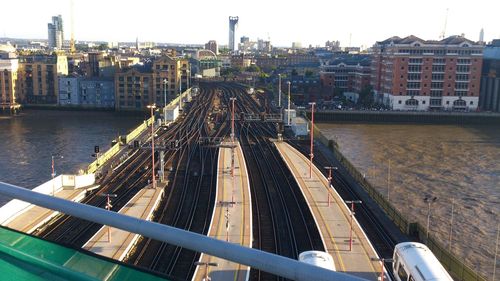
x=445, y=23
x=72, y=48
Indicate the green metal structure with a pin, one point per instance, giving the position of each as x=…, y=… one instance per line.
x=23, y=257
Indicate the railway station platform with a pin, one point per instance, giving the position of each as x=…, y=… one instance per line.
x=32, y=217
x=333, y=220
x=232, y=216
x=142, y=205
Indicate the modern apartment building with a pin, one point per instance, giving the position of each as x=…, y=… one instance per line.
x=38, y=78
x=8, y=77
x=414, y=74
x=86, y=92
x=489, y=97
x=56, y=33
x=152, y=82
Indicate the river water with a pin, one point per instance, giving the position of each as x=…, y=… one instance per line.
x=29, y=139
x=458, y=165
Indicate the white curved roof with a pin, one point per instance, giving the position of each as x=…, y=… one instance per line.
x=317, y=258
x=422, y=262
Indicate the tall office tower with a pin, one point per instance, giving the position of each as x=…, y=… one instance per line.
x=481, y=36
x=56, y=32
x=233, y=21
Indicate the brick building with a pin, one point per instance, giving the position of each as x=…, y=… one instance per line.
x=140, y=85
x=414, y=74
x=345, y=73
x=38, y=78
x=8, y=77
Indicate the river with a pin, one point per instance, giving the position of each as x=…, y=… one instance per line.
x=30, y=138
x=458, y=165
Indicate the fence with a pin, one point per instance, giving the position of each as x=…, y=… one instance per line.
x=456, y=267
x=126, y=139
x=116, y=148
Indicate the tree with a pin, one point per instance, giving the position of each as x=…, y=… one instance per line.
x=253, y=68
x=366, y=96
x=309, y=73
x=102, y=47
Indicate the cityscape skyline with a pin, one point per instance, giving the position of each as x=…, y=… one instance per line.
x=313, y=24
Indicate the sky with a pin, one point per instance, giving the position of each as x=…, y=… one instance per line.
x=353, y=23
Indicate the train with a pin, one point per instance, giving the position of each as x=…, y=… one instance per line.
x=318, y=258
x=415, y=262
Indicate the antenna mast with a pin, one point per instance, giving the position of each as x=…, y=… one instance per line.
x=72, y=48
x=445, y=23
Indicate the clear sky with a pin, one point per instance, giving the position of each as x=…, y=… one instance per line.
x=360, y=22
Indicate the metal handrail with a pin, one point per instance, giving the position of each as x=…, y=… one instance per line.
x=275, y=264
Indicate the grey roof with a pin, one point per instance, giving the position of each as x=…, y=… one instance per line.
x=451, y=40
x=351, y=59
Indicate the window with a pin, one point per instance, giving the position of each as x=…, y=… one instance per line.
x=471, y=103
x=413, y=76
x=410, y=102
x=438, y=68
x=463, y=68
x=399, y=102
x=436, y=85
x=437, y=77
x=414, y=68
x=413, y=85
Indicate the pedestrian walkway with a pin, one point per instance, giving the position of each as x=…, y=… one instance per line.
x=116, y=243
x=232, y=216
x=332, y=218
x=34, y=216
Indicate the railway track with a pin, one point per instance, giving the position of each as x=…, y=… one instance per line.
x=190, y=200
x=282, y=219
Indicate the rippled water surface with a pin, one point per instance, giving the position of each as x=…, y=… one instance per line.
x=29, y=139
x=458, y=165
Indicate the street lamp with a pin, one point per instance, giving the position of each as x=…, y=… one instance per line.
x=165, y=86
x=279, y=91
x=288, y=115
x=152, y=107
x=54, y=172
x=352, y=202
x=108, y=207
x=312, y=138
x=382, y=261
x=206, y=264
x=429, y=201
x=329, y=168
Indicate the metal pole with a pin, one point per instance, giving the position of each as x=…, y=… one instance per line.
x=165, y=102
x=429, y=200
x=275, y=264
x=352, y=202
x=152, y=107
x=451, y=224
x=496, y=253
x=279, y=91
x=53, y=175
x=180, y=93
x=288, y=115
x=330, y=181
x=389, y=180
x=312, y=139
